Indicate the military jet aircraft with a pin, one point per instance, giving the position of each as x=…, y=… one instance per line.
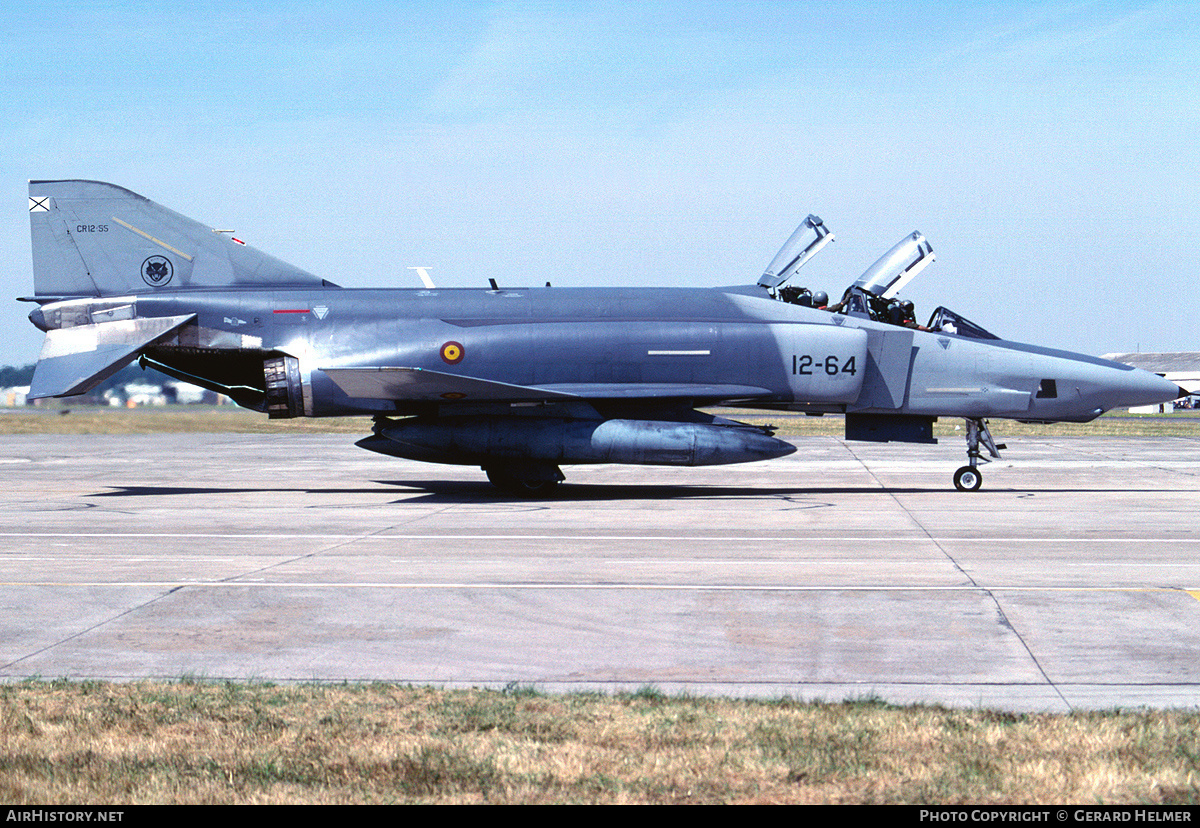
x=521, y=381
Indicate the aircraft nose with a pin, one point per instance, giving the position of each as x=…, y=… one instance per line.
x=1139, y=387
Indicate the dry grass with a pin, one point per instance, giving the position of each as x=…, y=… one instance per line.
x=174, y=419
x=194, y=742
x=49, y=419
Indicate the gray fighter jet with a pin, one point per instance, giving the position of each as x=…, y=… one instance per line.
x=521, y=381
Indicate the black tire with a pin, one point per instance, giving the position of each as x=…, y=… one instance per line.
x=510, y=483
x=968, y=479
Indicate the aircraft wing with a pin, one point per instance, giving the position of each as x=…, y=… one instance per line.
x=401, y=383
x=397, y=383
x=664, y=390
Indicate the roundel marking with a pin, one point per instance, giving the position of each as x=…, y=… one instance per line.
x=452, y=353
x=157, y=271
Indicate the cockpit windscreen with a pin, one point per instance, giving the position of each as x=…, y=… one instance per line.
x=947, y=321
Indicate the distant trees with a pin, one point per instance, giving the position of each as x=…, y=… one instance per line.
x=11, y=375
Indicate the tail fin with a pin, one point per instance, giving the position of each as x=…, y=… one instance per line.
x=97, y=239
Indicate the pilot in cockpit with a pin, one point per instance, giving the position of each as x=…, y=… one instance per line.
x=903, y=312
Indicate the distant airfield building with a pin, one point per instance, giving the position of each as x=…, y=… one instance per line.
x=129, y=395
x=1181, y=368
x=138, y=394
x=14, y=396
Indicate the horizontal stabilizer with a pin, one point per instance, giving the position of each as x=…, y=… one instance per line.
x=75, y=360
x=387, y=383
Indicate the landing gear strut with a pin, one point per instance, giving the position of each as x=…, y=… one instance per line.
x=969, y=478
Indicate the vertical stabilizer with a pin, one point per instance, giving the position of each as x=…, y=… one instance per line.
x=96, y=239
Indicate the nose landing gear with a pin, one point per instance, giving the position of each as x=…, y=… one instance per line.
x=969, y=478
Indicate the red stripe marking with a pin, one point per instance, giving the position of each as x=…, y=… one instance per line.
x=293, y=310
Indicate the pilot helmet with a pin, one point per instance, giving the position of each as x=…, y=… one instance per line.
x=820, y=299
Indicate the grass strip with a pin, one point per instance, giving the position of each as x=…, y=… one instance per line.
x=59, y=418
x=224, y=742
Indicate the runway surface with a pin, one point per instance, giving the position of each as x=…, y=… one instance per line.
x=847, y=570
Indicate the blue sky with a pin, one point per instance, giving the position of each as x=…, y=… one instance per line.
x=1047, y=150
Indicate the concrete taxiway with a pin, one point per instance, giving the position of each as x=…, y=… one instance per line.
x=846, y=570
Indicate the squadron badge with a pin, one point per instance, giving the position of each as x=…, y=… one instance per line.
x=157, y=271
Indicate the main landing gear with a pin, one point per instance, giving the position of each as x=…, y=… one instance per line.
x=969, y=478
x=530, y=479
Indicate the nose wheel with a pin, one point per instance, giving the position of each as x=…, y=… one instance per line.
x=969, y=478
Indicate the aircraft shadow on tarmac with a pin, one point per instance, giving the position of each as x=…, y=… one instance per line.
x=446, y=491
x=459, y=491
x=455, y=491
x=164, y=491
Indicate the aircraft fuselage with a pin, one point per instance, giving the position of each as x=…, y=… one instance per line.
x=569, y=339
